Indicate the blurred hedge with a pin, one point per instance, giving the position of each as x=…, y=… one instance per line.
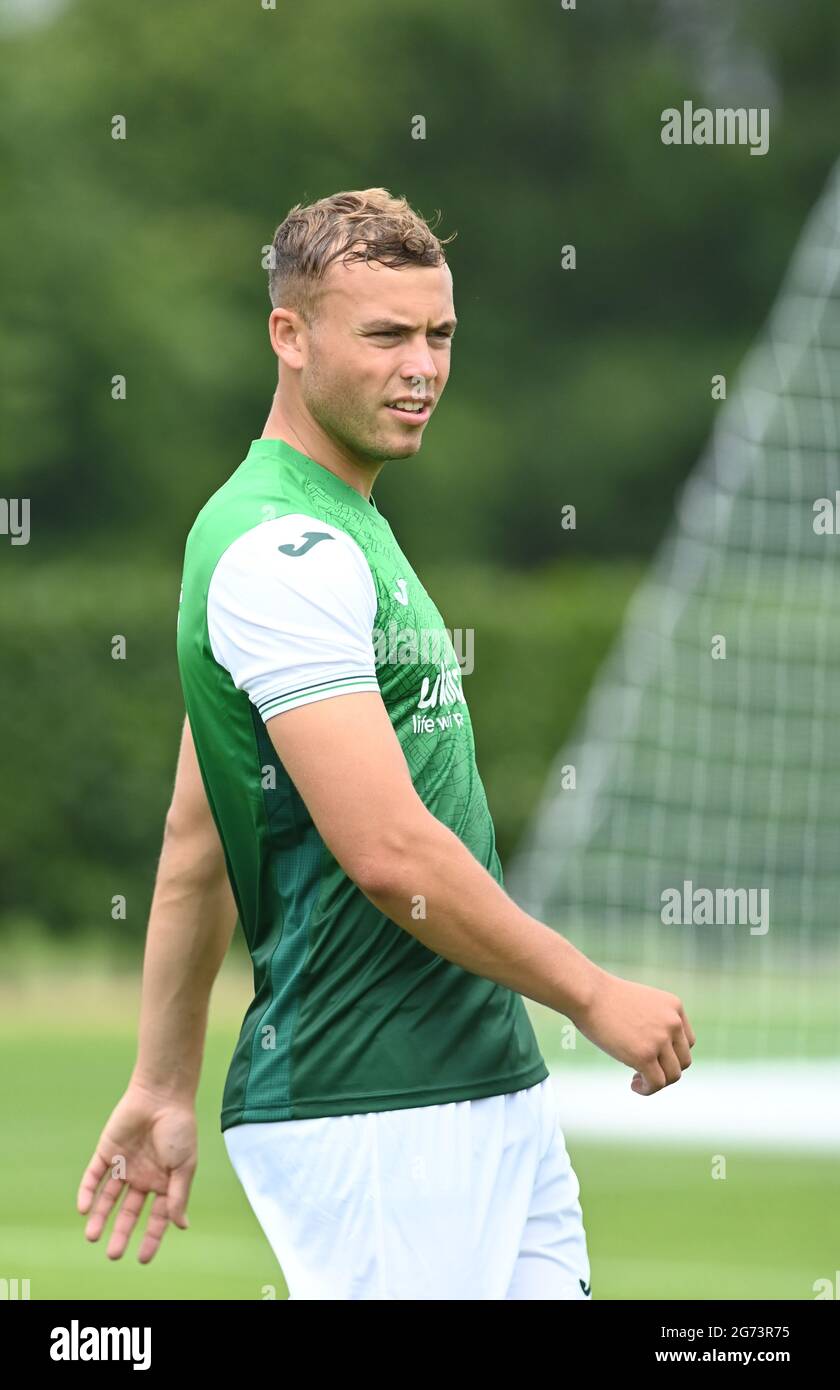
x=92, y=741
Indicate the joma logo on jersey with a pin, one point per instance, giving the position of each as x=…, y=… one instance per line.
x=310, y=538
x=446, y=689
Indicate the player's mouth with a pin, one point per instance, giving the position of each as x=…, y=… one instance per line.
x=411, y=410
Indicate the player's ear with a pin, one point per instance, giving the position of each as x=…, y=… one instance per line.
x=287, y=331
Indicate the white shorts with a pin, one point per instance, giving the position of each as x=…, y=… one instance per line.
x=473, y=1199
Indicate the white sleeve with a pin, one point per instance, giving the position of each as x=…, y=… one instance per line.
x=290, y=613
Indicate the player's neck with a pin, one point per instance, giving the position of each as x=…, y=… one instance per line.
x=308, y=438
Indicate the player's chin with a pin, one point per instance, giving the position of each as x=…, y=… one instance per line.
x=404, y=449
x=404, y=442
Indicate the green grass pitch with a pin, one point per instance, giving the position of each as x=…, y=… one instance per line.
x=657, y=1225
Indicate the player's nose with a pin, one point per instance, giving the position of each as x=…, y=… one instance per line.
x=419, y=363
x=419, y=384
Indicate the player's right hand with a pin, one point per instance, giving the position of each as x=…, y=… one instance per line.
x=152, y=1140
x=643, y=1027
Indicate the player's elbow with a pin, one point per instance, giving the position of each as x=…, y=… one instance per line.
x=382, y=866
x=191, y=845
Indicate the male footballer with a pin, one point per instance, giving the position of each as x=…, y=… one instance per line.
x=387, y=1108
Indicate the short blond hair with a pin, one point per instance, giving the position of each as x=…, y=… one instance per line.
x=369, y=225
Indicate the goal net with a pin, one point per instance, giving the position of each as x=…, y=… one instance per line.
x=691, y=829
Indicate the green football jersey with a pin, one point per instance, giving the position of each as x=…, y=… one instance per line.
x=295, y=590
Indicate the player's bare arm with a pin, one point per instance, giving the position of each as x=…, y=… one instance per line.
x=347, y=763
x=149, y=1143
